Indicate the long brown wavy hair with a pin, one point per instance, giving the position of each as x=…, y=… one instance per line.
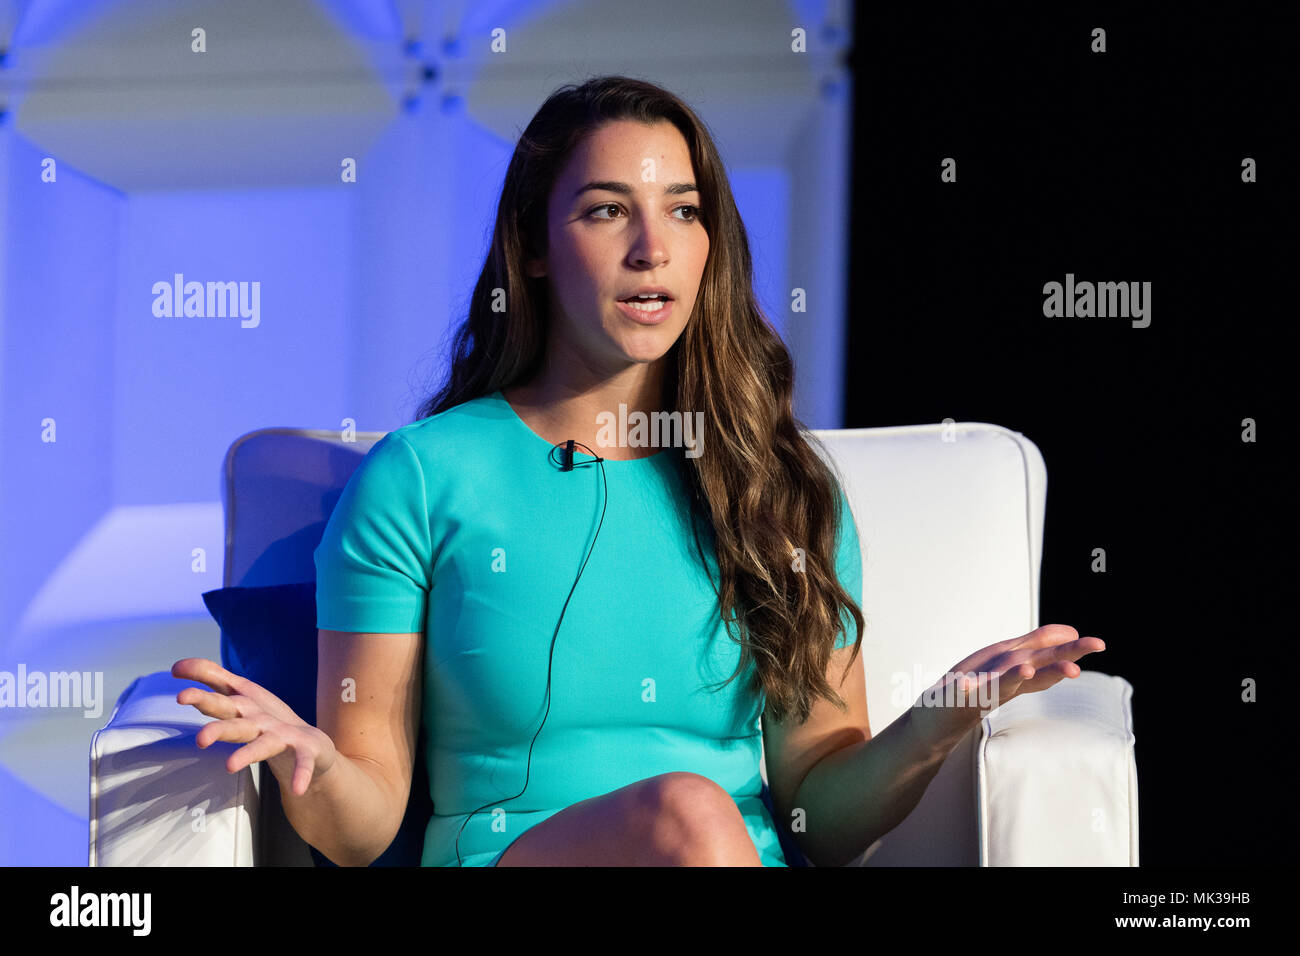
x=760, y=491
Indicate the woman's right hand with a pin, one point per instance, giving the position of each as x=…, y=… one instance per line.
x=248, y=713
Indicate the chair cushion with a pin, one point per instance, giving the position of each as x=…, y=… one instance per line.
x=268, y=635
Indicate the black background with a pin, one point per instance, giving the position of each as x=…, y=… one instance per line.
x=1115, y=166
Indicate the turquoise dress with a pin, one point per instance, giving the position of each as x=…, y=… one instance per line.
x=459, y=526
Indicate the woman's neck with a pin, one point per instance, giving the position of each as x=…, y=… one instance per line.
x=560, y=411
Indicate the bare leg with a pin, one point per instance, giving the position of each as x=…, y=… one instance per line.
x=673, y=819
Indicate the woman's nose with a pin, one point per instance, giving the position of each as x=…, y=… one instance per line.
x=649, y=247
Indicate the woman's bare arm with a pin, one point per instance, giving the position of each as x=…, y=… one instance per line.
x=368, y=696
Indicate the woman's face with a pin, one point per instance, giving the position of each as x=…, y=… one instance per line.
x=624, y=214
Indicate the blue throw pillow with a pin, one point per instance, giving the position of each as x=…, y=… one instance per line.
x=268, y=634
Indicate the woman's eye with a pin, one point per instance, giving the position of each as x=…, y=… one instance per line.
x=693, y=210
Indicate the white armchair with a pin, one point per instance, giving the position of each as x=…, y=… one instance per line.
x=951, y=523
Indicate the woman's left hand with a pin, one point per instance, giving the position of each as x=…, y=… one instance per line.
x=1002, y=671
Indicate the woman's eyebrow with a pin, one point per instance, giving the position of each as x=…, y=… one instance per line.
x=672, y=189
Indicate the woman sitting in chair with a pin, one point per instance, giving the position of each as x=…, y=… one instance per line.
x=605, y=567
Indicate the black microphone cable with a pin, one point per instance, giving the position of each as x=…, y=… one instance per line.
x=566, y=464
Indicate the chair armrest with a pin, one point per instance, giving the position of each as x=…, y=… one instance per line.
x=1056, y=777
x=156, y=799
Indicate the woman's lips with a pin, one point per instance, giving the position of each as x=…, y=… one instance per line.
x=647, y=318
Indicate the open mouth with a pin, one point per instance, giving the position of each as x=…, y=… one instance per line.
x=652, y=303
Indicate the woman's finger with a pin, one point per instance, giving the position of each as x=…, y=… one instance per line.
x=206, y=671
x=302, y=771
x=1064, y=668
x=222, y=681
x=1052, y=675
x=1049, y=635
x=264, y=747
x=1017, y=673
x=210, y=702
x=235, y=730
x=1085, y=645
x=1070, y=651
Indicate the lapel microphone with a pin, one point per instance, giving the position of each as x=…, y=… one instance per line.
x=566, y=455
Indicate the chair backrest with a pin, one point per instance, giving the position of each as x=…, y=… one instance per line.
x=279, y=487
x=950, y=518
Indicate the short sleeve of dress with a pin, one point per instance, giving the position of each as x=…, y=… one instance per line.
x=848, y=566
x=374, y=560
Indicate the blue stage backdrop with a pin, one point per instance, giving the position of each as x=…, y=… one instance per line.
x=133, y=163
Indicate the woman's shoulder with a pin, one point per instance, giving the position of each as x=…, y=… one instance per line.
x=454, y=430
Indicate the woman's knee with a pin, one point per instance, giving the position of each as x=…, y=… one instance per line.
x=674, y=819
x=697, y=821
